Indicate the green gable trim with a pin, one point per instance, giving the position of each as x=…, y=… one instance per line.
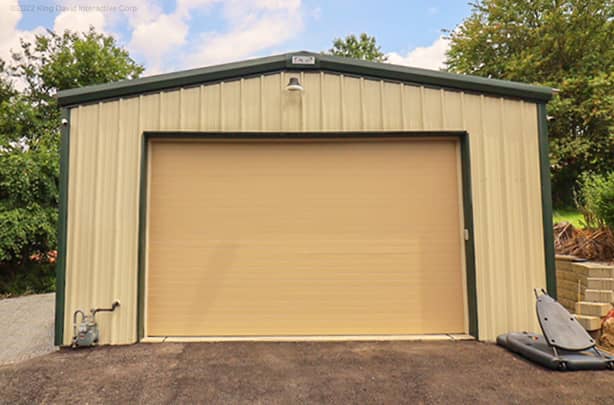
x=326, y=63
x=60, y=267
x=544, y=163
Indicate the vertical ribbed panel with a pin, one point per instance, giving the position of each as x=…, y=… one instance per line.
x=190, y=111
x=105, y=155
x=271, y=102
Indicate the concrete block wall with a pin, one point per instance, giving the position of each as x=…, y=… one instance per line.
x=585, y=288
x=568, y=275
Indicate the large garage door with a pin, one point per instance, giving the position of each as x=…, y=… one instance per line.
x=282, y=238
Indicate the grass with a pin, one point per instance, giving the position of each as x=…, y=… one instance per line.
x=568, y=215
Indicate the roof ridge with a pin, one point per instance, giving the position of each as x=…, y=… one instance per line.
x=314, y=61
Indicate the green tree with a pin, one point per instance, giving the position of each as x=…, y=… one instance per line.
x=565, y=44
x=365, y=47
x=596, y=199
x=30, y=135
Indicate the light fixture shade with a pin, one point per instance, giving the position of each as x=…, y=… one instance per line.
x=294, y=85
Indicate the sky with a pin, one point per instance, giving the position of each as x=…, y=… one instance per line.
x=171, y=35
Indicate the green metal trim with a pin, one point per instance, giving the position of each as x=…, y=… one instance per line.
x=466, y=186
x=544, y=166
x=247, y=135
x=173, y=80
x=60, y=268
x=321, y=62
x=142, y=239
x=472, y=294
x=436, y=78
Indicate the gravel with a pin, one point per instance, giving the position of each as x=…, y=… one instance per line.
x=272, y=373
x=297, y=373
x=26, y=327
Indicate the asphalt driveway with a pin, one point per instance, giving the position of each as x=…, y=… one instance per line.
x=294, y=373
x=26, y=327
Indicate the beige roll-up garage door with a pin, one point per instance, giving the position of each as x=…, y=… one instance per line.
x=309, y=237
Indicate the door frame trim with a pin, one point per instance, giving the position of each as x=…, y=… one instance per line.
x=467, y=198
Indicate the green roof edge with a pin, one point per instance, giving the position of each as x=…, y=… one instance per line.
x=269, y=64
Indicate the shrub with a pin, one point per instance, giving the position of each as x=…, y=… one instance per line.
x=596, y=199
x=29, y=278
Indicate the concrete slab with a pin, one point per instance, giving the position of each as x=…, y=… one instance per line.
x=341, y=338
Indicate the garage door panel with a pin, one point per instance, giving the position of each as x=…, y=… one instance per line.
x=320, y=238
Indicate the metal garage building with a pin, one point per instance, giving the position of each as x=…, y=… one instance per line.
x=304, y=195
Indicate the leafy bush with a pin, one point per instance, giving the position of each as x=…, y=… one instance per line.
x=562, y=44
x=28, y=203
x=29, y=144
x=30, y=278
x=596, y=199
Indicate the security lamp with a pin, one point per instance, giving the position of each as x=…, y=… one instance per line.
x=294, y=85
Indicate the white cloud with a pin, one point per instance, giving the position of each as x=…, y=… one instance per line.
x=161, y=39
x=10, y=35
x=185, y=6
x=135, y=12
x=158, y=37
x=429, y=57
x=80, y=21
x=155, y=39
x=165, y=40
x=253, y=27
x=10, y=15
x=74, y=20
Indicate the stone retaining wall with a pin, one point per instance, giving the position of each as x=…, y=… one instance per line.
x=570, y=273
x=571, y=278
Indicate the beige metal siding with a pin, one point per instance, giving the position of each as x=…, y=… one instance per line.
x=104, y=173
x=353, y=237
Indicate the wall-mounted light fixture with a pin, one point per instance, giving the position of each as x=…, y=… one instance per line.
x=294, y=85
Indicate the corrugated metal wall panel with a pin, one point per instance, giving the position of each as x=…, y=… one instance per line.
x=105, y=162
x=433, y=113
x=372, y=105
x=453, y=106
x=413, y=108
x=170, y=110
x=190, y=111
x=210, y=107
x=392, y=106
x=331, y=97
x=126, y=221
x=231, y=106
x=252, y=113
x=313, y=102
x=271, y=102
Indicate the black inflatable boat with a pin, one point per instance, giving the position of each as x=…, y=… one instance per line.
x=564, y=345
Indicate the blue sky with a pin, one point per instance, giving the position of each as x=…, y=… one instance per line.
x=167, y=35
